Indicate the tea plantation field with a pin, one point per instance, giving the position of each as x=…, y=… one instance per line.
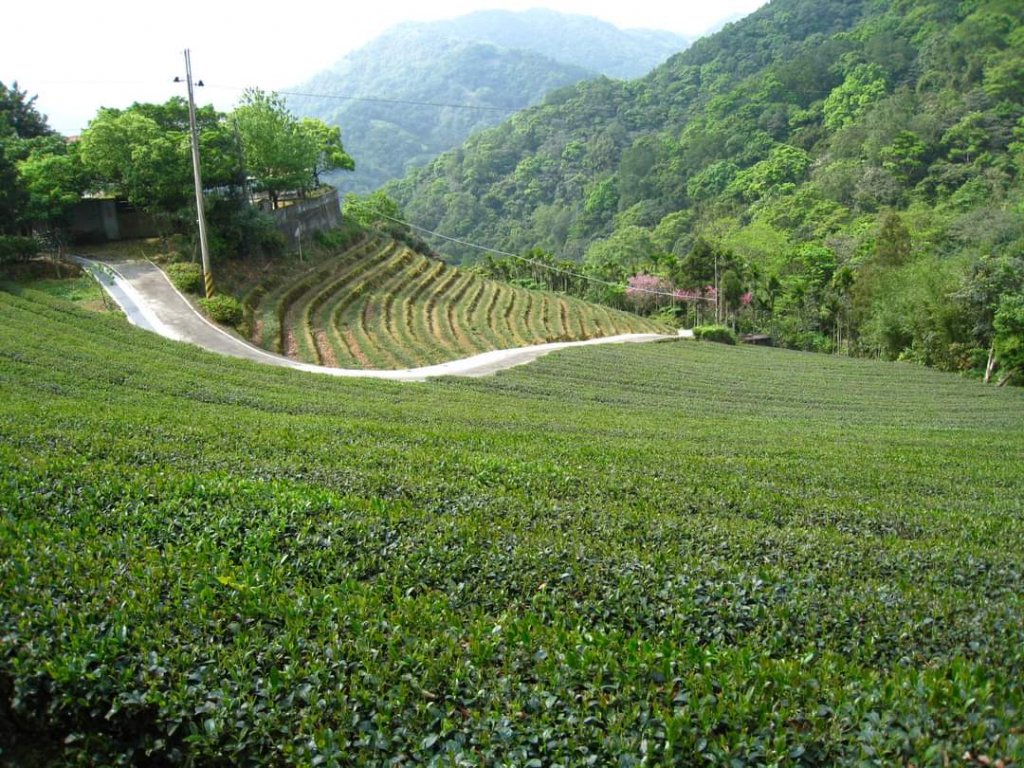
x=667, y=554
x=379, y=304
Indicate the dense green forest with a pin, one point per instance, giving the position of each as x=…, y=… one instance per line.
x=844, y=175
x=417, y=76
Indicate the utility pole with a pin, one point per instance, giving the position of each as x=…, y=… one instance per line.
x=718, y=299
x=197, y=173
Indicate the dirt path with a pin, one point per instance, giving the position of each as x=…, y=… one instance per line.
x=151, y=302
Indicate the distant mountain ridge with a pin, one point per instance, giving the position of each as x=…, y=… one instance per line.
x=411, y=81
x=584, y=41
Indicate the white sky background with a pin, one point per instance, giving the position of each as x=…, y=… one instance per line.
x=80, y=56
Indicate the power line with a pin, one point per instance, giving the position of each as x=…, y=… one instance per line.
x=534, y=262
x=412, y=102
x=380, y=100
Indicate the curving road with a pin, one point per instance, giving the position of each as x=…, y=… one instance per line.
x=151, y=302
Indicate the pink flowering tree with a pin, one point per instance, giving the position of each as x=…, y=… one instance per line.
x=696, y=302
x=648, y=292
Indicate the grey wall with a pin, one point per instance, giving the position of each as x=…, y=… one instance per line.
x=304, y=217
x=97, y=221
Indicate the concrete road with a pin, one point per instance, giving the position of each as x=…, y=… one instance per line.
x=150, y=301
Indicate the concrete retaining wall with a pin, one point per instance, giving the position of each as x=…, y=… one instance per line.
x=97, y=221
x=301, y=219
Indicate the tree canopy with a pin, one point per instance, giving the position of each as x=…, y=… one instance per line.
x=41, y=175
x=283, y=153
x=141, y=154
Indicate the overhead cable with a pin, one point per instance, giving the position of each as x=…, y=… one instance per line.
x=534, y=262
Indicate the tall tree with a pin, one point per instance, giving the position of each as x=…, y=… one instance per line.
x=325, y=148
x=894, y=246
x=134, y=156
x=54, y=179
x=20, y=124
x=19, y=116
x=12, y=196
x=142, y=154
x=277, y=151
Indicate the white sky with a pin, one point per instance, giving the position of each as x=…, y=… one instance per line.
x=79, y=56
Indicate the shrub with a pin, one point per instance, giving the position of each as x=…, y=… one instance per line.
x=340, y=238
x=717, y=333
x=187, y=276
x=222, y=309
x=17, y=248
x=241, y=230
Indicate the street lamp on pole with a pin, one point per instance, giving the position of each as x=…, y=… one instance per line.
x=197, y=173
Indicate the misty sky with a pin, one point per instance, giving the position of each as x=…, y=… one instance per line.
x=80, y=56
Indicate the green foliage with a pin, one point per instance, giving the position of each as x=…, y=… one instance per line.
x=720, y=334
x=142, y=154
x=238, y=229
x=336, y=240
x=1009, y=335
x=279, y=152
x=863, y=86
x=186, y=276
x=373, y=210
x=33, y=185
x=499, y=61
x=904, y=158
x=19, y=117
x=324, y=144
x=712, y=181
x=222, y=309
x=614, y=554
x=981, y=290
x=880, y=134
x=14, y=248
x=54, y=180
x=784, y=167
x=627, y=252
x=893, y=248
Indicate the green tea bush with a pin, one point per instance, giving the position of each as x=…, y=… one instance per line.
x=720, y=334
x=186, y=276
x=666, y=554
x=222, y=309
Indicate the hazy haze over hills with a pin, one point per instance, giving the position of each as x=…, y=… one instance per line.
x=584, y=41
x=500, y=61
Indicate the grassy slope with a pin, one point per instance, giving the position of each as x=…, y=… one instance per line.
x=668, y=551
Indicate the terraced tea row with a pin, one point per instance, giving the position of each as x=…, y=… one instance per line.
x=381, y=305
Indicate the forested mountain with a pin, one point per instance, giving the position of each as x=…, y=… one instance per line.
x=852, y=167
x=498, y=60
